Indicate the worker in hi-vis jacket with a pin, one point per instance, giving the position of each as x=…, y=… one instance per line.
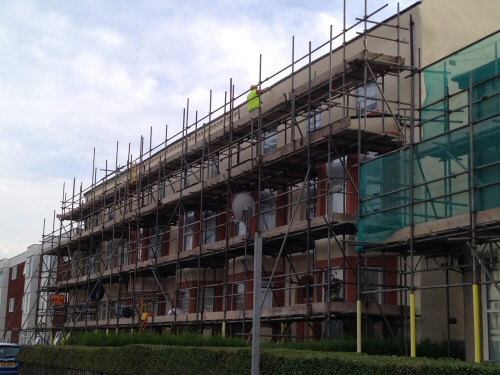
x=253, y=98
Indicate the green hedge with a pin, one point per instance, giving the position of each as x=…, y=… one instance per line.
x=155, y=360
x=90, y=338
x=370, y=346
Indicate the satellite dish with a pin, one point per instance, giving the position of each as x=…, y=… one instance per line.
x=127, y=312
x=243, y=207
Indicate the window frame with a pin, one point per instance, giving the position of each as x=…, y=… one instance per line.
x=372, y=287
x=314, y=119
x=238, y=300
x=267, y=209
x=25, y=306
x=371, y=104
x=270, y=140
x=184, y=299
x=188, y=231
x=206, y=303
x=209, y=227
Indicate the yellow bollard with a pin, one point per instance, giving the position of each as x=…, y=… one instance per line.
x=477, y=322
x=413, y=327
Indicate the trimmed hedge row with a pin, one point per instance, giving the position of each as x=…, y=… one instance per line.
x=426, y=348
x=154, y=360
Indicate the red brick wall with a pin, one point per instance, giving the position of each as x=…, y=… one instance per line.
x=13, y=319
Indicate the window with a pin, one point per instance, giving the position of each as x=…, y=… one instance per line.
x=267, y=210
x=155, y=240
x=8, y=336
x=26, y=303
x=108, y=255
x=311, y=198
x=161, y=188
x=187, y=243
x=238, y=295
x=1, y=278
x=104, y=310
x=373, y=280
x=336, y=279
x=337, y=185
x=213, y=166
x=49, y=263
x=206, y=300
x=375, y=184
x=13, y=273
x=123, y=247
x=240, y=228
x=184, y=301
x=114, y=309
x=314, y=120
x=28, y=267
x=91, y=263
x=371, y=98
x=270, y=137
x=306, y=289
x=11, y=304
x=266, y=300
x=187, y=179
x=23, y=337
x=209, y=227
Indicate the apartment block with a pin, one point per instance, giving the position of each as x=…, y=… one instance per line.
x=18, y=296
x=361, y=199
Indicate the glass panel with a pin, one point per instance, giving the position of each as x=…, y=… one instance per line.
x=238, y=296
x=314, y=120
x=209, y=227
x=155, y=240
x=270, y=140
x=336, y=279
x=312, y=195
x=373, y=281
x=214, y=166
x=184, y=301
x=240, y=228
x=208, y=300
x=8, y=351
x=266, y=300
x=267, y=210
x=188, y=231
x=494, y=336
x=337, y=178
x=371, y=97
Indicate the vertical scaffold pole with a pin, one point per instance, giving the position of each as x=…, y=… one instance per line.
x=257, y=272
x=476, y=299
x=358, y=309
x=413, y=322
x=358, y=302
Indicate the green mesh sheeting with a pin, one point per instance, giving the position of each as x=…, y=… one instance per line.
x=462, y=104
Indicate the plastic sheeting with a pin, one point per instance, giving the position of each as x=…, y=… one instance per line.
x=461, y=125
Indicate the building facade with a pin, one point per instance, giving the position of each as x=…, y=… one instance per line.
x=167, y=242
x=18, y=296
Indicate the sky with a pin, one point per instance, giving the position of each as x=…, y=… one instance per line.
x=80, y=80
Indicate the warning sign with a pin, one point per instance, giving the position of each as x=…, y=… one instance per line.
x=57, y=299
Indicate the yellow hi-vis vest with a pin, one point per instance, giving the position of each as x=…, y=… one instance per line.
x=253, y=100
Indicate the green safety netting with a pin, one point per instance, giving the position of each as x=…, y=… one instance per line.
x=460, y=118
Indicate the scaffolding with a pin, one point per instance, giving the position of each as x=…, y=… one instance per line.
x=438, y=198
x=154, y=244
